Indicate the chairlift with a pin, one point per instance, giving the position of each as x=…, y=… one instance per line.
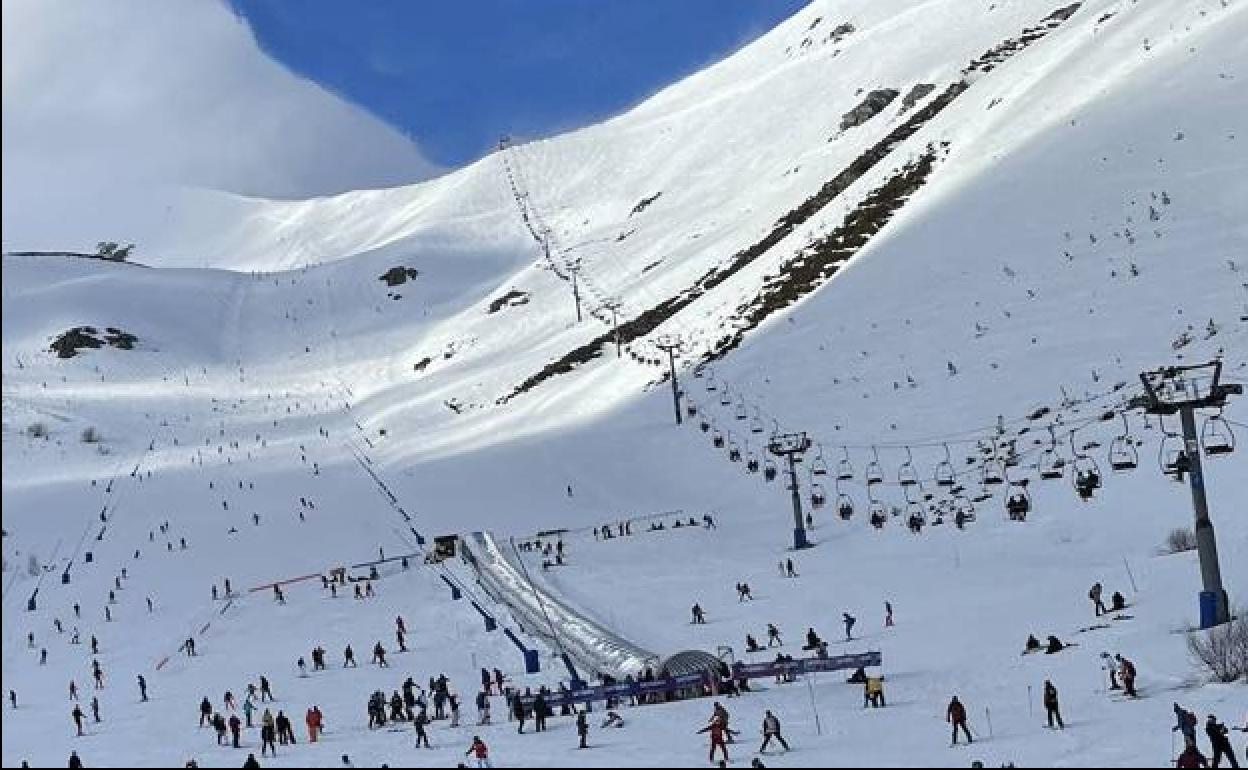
x=906, y=474
x=718, y=440
x=1051, y=465
x=1122, y=453
x=1171, y=454
x=875, y=473
x=817, y=496
x=711, y=385
x=845, y=469
x=705, y=425
x=844, y=503
x=725, y=398
x=691, y=408
x=734, y=451
x=945, y=474
x=1087, y=475
x=817, y=466
x=756, y=425
x=751, y=463
x=992, y=471
x=769, y=470
x=742, y=411
x=1216, y=436
x=877, y=511
x=1017, y=499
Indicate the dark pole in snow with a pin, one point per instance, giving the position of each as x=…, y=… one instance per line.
x=1184, y=389
x=668, y=344
x=790, y=445
x=574, y=271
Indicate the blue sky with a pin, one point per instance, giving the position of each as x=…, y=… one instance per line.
x=456, y=75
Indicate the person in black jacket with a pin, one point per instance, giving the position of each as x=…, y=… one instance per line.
x=539, y=713
x=1219, y=742
x=1051, y=708
x=582, y=728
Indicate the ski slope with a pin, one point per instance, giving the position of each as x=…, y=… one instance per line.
x=1072, y=212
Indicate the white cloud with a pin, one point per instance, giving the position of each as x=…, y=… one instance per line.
x=106, y=104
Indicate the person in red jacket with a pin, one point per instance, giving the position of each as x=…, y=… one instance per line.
x=716, y=728
x=480, y=751
x=1191, y=757
x=313, y=720
x=956, y=715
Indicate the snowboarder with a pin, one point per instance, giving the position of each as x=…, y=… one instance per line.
x=956, y=715
x=1051, y=708
x=1054, y=645
x=771, y=729
x=1095, y=595
x=582, y=729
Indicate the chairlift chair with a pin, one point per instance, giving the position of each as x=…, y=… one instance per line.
x=906, y=474
x=875, y=473
x=945, y=475
x=817, y=496
x=756, y=425
x=992, y=471
x=734, y=451
x=751, y=463
x=1216, y=436
x=817, y=466
x=877, y=511
x=742, y=412
x=725, y=398
x=845, y=469
x=718, y=440
x=1087, y=475
x=844, y=503
x=1051, y=465
x=769, y=470
x=1122, y=453
x=691, y=409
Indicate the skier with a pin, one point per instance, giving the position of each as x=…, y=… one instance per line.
x=43, y=656
x=518, y=711
x=265, y=692
x=698, y=615
x=398, y=622
x=849, y=620
x=252, y=762
x=236, y=727
x=95, y=708
x=218, y=724
x=788, y=568
x=582, y=729
x=249, y=706
x=379, y=656
x=1051, y=707
x=751, y=644
x=348, y=656
x=1095, y=595
x=1127, y=674
x=77, y=715
x=480, y=751
x=956, y=715
x=454, y=701
x=485, y=680
x=717, y=729
x=268, y=734
x=812, y=640
x=483, y=708
x=1191, y=757
x=539, y=712
x=398, y=636
x=1219, y=742
x=419, y=723
x=98, y=673
x=1185, y=722
x=773, y=635
x=498, y=681
x=873, y=692
x=1054, y=645
x=303, y=667
x=771, y=729
x=229, y=703
x=13, y=698
x=1118, y=602
x=313, y=719
x=95, y=645
x=74, y=760
x=888, y=614
x=205, y=711
x=285, y=733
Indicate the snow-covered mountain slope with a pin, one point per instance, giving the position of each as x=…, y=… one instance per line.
x=1063, y=208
